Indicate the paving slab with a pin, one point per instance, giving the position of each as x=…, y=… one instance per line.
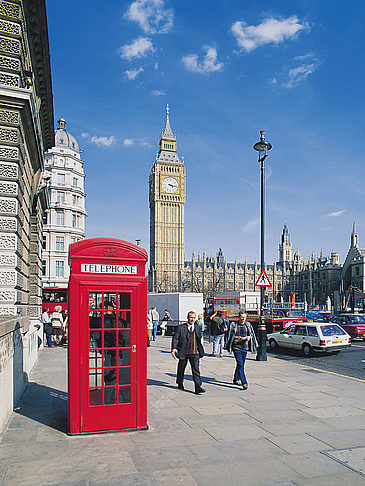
x=348, y=478
x=247, y=473
x=170, y=476
x=294, y=444
x=73, y=469
x=353, y=457
x=313, y=464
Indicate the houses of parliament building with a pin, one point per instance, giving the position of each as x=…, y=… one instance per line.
x=313, y=281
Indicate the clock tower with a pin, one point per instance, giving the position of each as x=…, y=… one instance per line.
x=167, y=201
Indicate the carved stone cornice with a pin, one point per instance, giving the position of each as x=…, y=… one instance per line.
x=36, y=25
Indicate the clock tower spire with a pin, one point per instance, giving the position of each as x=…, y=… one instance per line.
x=167, y=201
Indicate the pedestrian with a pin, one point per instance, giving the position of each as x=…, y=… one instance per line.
x=238, y=341
x=149, y=328
x=57, y=324
x=200, y=322
x=47, y=326
x=187, y=346
x=163, y=325
x=218, y=331
x=155, y=318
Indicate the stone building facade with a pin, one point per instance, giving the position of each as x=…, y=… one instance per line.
x=26, y=131
x=65, y=218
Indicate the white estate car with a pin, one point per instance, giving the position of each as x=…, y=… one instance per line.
x=314, y=336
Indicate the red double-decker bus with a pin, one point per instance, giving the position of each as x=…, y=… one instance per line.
x=53, y=296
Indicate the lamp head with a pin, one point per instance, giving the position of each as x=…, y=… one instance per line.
x=263, y=145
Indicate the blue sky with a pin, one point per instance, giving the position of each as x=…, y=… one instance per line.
x=228, y=69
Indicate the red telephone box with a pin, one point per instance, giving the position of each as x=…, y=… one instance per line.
x=107, y=343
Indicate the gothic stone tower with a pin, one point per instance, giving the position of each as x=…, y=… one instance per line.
x=285, y=248
x=167, y=200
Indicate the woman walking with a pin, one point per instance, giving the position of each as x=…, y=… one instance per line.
x=57, y=324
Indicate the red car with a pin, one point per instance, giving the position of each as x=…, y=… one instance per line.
x=353, y=324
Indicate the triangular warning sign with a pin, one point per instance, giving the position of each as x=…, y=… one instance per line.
x=263, y=280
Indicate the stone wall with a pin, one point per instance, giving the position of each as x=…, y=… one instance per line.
x=20, y=341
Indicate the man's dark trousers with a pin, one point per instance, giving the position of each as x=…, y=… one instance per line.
x=194, y=363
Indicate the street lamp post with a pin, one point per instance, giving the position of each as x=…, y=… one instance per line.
x=262, y=147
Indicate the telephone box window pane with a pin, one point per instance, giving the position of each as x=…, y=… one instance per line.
x=95, y=397
x=110, y=376
x=110, y=339
x=95, y=320
x=95, y=359
x=124, y=394
x=110, y=301
x=124, y=376
x=124, y=339
x=95, y=300
x=110, y=357
x=124, y=319
x=124, y=300
x=110, y=320
x=109, y=396
x=95, y=377
x=124, y=357
x=95, y=339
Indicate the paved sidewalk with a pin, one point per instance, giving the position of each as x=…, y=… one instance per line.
x=293, y=426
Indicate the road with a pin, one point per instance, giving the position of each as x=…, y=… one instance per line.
x=349, y=362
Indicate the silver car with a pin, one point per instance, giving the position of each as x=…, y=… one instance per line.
x=309, y=337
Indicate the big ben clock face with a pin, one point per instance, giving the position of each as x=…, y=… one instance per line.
x=170, y=185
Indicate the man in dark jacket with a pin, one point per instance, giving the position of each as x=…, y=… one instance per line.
x=187, y=346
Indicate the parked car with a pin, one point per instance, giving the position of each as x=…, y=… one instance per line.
x=353, y=324
x=309, y=337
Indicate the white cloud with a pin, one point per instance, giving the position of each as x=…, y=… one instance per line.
x=156, y=66
x=337, y=213
x=85, y=135
x=151, y=15
x=145, y=144
x=270, y=31
x=103, y=141
x=133, y=73
x=207, y=65
x=300, y=73
x=301, y=68
x=138, y=48
x=127, y=142
x=158, y=92
x=251, y=226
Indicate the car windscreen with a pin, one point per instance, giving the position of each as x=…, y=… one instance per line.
x=331, y=330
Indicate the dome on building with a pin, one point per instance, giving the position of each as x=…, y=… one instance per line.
x=65, y=139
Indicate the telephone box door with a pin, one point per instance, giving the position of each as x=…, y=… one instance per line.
x=108, y=357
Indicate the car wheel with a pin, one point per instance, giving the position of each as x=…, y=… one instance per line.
x=307, y=349
x=273, y=344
